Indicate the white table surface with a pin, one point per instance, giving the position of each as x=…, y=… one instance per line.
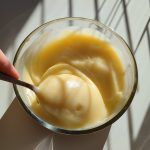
x=130, y=18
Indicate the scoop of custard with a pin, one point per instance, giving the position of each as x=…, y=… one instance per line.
x=66, y=97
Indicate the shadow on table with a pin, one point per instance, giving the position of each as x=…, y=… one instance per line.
x=13, y=15
x=142, y=142
x=18, y=131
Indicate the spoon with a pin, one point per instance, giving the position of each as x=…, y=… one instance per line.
x=10, y=79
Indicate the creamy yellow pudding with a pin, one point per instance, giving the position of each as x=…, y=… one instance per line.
x=80, y=79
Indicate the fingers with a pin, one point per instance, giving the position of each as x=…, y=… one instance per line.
x=7, y=67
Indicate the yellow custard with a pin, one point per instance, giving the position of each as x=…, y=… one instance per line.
x=80, y=79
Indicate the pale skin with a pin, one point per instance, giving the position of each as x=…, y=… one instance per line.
x=7, y=67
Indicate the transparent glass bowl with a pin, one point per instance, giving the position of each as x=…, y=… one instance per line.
x=51, y=30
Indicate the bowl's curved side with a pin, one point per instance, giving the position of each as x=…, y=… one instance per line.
x=84, y=131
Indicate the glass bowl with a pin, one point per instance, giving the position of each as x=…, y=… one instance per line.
x=51, y=30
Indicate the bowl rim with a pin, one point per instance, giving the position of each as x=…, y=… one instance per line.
x=81, y=131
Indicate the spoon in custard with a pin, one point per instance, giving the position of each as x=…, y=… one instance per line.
x=52, y=102
x=47, y=92
x=8, y=78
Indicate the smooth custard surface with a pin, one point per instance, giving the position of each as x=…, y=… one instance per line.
x=80, y=79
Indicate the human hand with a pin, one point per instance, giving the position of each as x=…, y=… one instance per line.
x=7, y=67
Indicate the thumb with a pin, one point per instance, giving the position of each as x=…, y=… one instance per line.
x=7, y=67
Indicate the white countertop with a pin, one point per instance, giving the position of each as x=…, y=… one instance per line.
x=129, y=18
